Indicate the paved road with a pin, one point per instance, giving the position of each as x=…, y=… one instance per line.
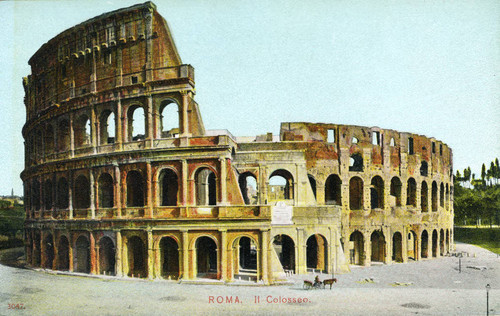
x=432, y=287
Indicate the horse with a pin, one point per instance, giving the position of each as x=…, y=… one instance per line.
x=330, y=281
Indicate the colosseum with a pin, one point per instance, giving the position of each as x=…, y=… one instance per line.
x=122, y=178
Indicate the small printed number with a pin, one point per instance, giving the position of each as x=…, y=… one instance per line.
x=16, y=306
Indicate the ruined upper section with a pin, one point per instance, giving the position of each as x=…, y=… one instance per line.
x=123, y=47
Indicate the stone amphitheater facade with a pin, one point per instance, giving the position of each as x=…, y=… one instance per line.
x=122, y=178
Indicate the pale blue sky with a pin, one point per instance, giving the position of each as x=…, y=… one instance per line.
x=428, y=67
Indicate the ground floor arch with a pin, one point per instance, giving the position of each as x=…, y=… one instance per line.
x=106, y=256
x=397, y=247
x=169, y=258
x=424, y=249
x=63, y=254
x=48, y=243
x=206, y=258
x=285, y=249
x=137, y=265
x=412, y=245
x=245, y=259
x=82, y=255
x=441, y=243
x=357, y=255
x=316, y=254
x=378, y=246
x=434, y=243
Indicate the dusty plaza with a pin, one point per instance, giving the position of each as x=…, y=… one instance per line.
x=133, y=206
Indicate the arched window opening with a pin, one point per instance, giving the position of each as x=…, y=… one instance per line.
x=441, y=195
x=82, y=253
x=354, y=140
x=434, y=243
x=48, y=139
x=412, y=245
x=245, y=263
x=63, y=139
x=376, y=138
x=312, y=182
x=285, y=250
x=280, y=185
x=316, y=254
x=106, y=191
x=424, y=169
x=62, y=193
x=392, y=142
x=169, y=117
x=35, y=195
x=49, y=252
x=396, y=190
x=248, y=188
x=333, y=190
x=206, y=258
x=136, y=124
x=82, y=131
x=441, y=243
x=81, y=193
x=411, y=192
x=356, y=162
x=169, y=251
x=447, y=197
x=378, y=246
x=106, y=256
x=377, y=192
x=424, y=249
x=356, y=193
x=356, y=254
x=47, y=194
x=107, y=128
x=137, y=258
x=434, y=196
x=424, y=197
x=397, y=247
x=135, y=189
x=63, y=254
x=168, y=188
x=206, y=187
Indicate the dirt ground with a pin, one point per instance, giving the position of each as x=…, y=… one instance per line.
x=429, y=287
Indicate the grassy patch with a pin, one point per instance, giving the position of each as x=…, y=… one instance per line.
x=488, y=238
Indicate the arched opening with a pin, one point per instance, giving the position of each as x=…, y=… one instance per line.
x=135, y=189
x=356, y=255
x=316, y=254
x=333, y=190
x=411, y=193
x=169, y=118
x=137, y=265
x=424, y=169
x=136, y=123
x=48, y=139
x=285, y=250
x=206, y=187
x=434, y=243
x=63, y=254
x=434, y=197
x=280, y=185
x=35, y=195
x=312, y=183
x=48, y=251
x=396, y=190
x=62, y=193
x=107, y=128
x=448, y=241
x=412, y=245
x=377, y=192
x=81, y=193
x=47, y=194
x=441, y=195
x=169, y=252
x=106, y=256
x=424, y=249
x=356, y=162
x=356, y=193
x=106, y=191
x=63, y=139
x=82, y=262
x=378, y=246
x=168, y=187
x=447, y=198
x=82, y=131
x=397, y=247
x=206, y=258
x=248, y=187
x=37, y=254
x=424, y=199
x=441, y=243
x=245, y=256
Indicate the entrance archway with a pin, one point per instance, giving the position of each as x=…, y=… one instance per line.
x=397, y=247
x=48, y=251
x=206, y=258
x=441, y=243
x=357, y=248
x=316, y=254
x=63, y=254
x=106, y=256
x=137, y=258
x=412, y=245
x=82, y=262
x=378, y=246
x=424, y=249
x=245, y=259
x=169, y=250
x=285, y=249
x=434, y=243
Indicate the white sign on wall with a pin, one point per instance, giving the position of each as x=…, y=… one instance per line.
x=282, y=214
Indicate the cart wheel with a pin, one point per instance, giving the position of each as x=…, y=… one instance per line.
x=307, y=286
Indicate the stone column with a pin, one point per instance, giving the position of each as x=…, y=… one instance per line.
x=71, y=135
x=157, y=266
x=56, y=252
x=125, y=256
x=70, y=252
x=320, y=193
x=185, y=255
x=92, y=193
x=300, y=253
x=404, y=241
x=223, y=255
x=149, y=120
x=223, y=179
x=367, y=249
x=93, y=258
x=438, y=244
x=184, y=115
x=118, y=192
x=184, y=186
x=118, y=261
x=118, y=124
x=93, y=130
x=151, y=261
x=388, y=245
x=70, y=193
x=97, y=259
x=264, y=254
